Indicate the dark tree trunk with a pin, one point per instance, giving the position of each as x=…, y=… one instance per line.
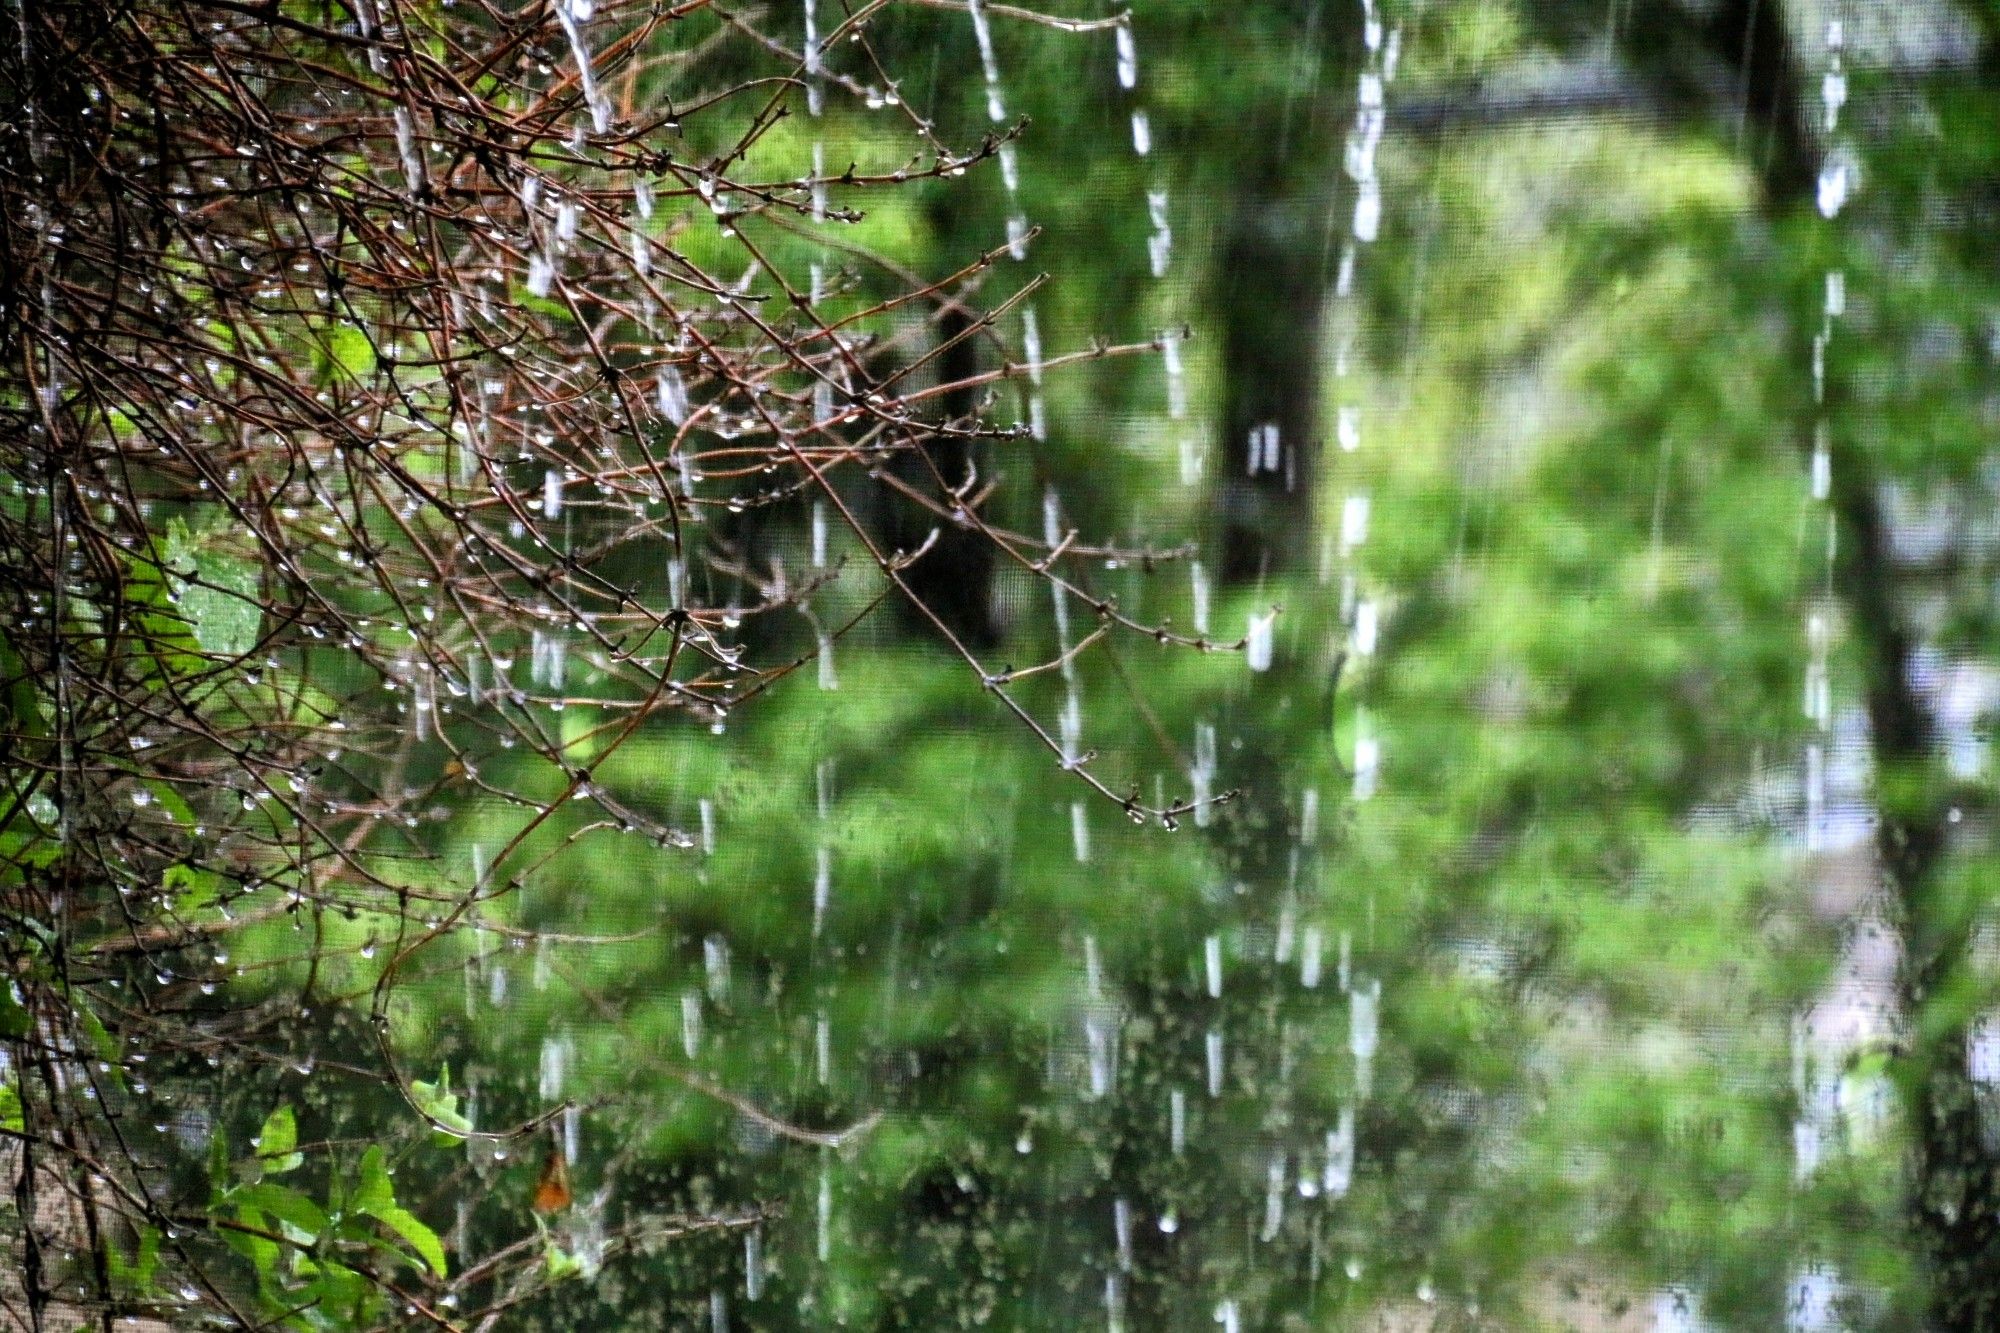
x=1955, y=1194
x=955, y=578
x=1735, y=60
x=1273, y=292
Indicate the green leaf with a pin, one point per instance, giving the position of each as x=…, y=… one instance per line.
x=561, y=1263
x=438, y=1102
x=10, y=1110
x=101, y=1039
x=340, y=1294
x=215, y=592
x=299, y=1213
x=15, y=1021
x=342, y=352
x=375, y=1196
x=139, y=1273
x=148, y=1261
x=170, y=803
x=224, y=607
x=373, y=1188
x=218, y=1166
x=277, y=1141
x=192, y=889
x=262, y=1253
x=412, y=1229
x=543, y=305
x=20, y=704
x=168, y=644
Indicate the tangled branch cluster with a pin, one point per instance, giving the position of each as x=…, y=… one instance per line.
x=365, y=407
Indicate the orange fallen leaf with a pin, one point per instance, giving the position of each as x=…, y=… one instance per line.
x=552, y=1192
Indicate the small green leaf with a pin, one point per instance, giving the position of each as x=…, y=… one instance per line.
x=101, y=1040
x=299, y=1213
x=375, y=1196
x=218, y=1165
x=171, y=647
x=170, y=803
x=262, y=1253
x=337, y=1291
x=440, y=1104
x=342, y=352
x=149, y=1257
x=15, y=1020
x=543, y=305
x=20, y=703
x=147, y=1261
x=373, y=1188
x=215, y=592
x=561, y=1263
x=10, y=1110
x=192, y=889
x=419, y=1236
x=277, y=1141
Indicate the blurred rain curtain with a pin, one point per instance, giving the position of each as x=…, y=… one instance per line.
x=936, y=663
